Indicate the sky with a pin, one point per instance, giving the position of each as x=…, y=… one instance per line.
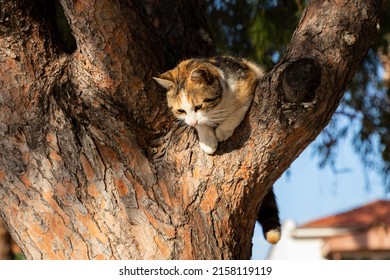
x=309, y=192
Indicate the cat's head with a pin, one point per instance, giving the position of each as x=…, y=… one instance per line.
x=194, y=89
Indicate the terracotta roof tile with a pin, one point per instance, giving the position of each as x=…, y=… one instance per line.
x=377, y=212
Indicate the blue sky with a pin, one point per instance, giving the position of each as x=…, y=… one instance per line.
x=310, y=192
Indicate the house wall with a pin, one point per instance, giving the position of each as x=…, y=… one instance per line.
x=290, y=248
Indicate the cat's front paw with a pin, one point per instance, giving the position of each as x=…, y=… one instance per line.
x=223, y=134
x=210, y=146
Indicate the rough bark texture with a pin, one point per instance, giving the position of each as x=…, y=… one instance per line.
x=93, y=165
x=5, y=243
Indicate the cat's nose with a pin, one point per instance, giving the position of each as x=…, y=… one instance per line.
x=193, y=122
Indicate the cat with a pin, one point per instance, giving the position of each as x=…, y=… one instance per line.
x=213, y=96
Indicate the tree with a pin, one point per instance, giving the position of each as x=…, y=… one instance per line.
x=5, y=243
x=94, y=166
x=363, y=113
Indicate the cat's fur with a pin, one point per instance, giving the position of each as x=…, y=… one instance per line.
x=213, y=96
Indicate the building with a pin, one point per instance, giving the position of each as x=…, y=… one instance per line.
x=361, y=233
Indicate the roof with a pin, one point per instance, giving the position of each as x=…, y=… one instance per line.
x=374, y=213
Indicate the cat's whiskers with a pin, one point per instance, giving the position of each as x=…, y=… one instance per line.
x=215, y=117
x=211, y=121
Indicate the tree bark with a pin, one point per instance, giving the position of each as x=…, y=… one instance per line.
x=93, y=164
x=5, y=243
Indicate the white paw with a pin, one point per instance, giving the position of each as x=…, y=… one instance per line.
x=222, y=134
x=210, y=147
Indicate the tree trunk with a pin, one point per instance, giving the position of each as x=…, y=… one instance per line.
x=93, y=164
x=5, y=243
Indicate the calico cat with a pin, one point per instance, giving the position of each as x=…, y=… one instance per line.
x=213, y=95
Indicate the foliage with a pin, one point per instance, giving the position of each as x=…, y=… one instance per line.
x=262, y=30
x=256, y=29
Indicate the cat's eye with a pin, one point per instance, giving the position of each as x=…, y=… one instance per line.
x=181, y=111
x=208, y=100
x=198, y=107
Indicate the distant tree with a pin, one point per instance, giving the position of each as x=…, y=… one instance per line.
x=262, y=29
x=94, y=166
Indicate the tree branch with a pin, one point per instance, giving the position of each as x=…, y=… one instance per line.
x=293, y=103
x=92, y=164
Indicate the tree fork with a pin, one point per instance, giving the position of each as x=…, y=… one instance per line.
x=93, y=165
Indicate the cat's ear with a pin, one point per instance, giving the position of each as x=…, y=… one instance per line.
x=202, y=75
x=164, y=81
